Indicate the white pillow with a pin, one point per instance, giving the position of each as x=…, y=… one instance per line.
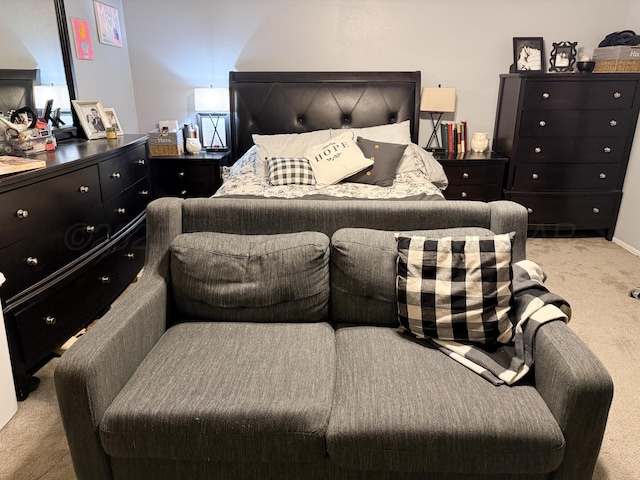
x=285, y=145
x=389, y=133
x=336, y=159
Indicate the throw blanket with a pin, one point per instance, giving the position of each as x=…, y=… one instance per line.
x=533, y=305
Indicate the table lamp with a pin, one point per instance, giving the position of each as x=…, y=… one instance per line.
x=213, y=102
x=437, y=101
x=51, y=99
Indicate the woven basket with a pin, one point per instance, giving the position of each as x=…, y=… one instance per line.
x=617, y=66
x=165, y=150
x=169, y=144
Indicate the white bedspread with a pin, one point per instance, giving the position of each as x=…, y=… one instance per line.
x=425, y=177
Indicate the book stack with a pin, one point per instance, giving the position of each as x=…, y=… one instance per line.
x=454, y=137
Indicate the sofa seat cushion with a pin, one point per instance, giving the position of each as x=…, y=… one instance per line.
x=363, y=273
x=399, y=406
x=239, y=392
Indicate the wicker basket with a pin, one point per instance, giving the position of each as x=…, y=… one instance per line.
x=617, y=66
x=617, y=59
x=169, y=144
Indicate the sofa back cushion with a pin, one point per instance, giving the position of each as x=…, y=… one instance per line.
x=251, y=278
x=363, y=273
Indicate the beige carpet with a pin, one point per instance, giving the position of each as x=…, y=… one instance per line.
x=594, y=275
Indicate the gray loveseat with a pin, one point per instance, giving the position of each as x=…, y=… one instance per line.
x=238, y=355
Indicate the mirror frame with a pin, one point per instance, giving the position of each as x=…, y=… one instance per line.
x=67, y=59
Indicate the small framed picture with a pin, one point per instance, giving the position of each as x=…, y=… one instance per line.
x=215, y=131
x=563, y=57
x=111, y=120
x=528, y=55
x=92, y=118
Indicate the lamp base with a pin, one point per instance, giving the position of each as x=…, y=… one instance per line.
x=434, y=149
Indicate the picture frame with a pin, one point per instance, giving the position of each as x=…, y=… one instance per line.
x=108, y=24
x=92, y=118
x=528, y=55
x=111, y=120
x=563, y=57
x=215, y=131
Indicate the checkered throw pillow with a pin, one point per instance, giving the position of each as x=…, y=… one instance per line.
x=455, y=288
x=288, y=171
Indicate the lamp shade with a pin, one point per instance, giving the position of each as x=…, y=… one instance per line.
x=58, y=93
x=212, y=99
x=438, y=99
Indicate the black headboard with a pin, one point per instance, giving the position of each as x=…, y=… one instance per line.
x=296, y=102
x=16, y=89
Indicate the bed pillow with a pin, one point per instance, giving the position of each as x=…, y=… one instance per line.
x=455, y=288
x=290, y=171
x=336, y=159
x=385, y=157
x=392, y=132
x=291, y=145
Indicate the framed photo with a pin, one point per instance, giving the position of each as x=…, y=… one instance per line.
x=92, y=118
x=215, y=131
x=111, y=120
x=528, y=54
x=563, y=57
x=108, y=24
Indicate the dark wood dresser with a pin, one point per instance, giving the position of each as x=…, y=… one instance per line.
x=568, y=139
x=71, y=239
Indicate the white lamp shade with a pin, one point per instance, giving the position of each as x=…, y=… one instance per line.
x=213, y=99
x=438, y=100
x=58, y=93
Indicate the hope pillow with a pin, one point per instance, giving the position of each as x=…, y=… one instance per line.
x=336, y=159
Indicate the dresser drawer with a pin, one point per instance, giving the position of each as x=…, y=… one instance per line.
x=578, y=211
x=27, y=262
x=49, y=321
x=119, y=173
x=28, y=210
x=483, y=193
x=571, y=149
x=127, y=205
x=594, y=94
x=567, y=176
x=577, y=123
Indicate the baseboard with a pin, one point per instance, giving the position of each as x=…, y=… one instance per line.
x=626, y=246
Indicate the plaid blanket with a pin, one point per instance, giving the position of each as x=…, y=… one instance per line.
x=533, y=305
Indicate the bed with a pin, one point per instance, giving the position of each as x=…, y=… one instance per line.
x=328, y=135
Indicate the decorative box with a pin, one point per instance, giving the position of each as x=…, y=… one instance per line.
x=166, y=144
x=617, y=59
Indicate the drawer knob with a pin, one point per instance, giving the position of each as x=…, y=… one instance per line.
x=537, y=150
x=530, y=210
x=595, y=210
x=105, y=279
x=602, y=175
x=542, y=123
x=90, y=229
x=535, y=176
x=22, y=213
x=32, y=261
x=130, y=256
x=464, y=195
x=50, y=320
x=613, y=123
x=144, y=193
x=115, y=175
x=121, y=211
x=545, y=95
x=617, y=95
x=83, y=189
x=181, y=174
x=183, y=193
x=140, y=161
x=607, y=149
x=465, y=175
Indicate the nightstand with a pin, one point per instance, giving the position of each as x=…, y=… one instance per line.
x=474, y=176
x=187, y=175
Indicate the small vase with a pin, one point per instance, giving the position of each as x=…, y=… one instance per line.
x=193, y=146
x=479, y=142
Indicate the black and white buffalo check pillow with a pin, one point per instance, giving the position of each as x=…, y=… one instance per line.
x=455, y=288
x=288, y=171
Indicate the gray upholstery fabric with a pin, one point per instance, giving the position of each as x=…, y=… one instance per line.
x=266, y=278
x=400, y=406
x=228, y=391
x=363, y=273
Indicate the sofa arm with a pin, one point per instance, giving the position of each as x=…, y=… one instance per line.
x=578, y=390
x=94, y=370
x=506, y=217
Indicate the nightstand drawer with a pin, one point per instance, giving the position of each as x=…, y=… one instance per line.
x=484, y=193
x=577, y=123
x=568, y=176
x=592, y=95
x=474, y=174
x=572, y=149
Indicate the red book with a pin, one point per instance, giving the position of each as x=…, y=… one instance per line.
x=451, y=146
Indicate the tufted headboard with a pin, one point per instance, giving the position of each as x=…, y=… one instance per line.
x=297, y=102
x=16, y=89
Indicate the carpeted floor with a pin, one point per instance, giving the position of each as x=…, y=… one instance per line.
x=594, y=275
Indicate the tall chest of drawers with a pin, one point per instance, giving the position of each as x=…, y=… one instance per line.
x=71, y=239
x=568, y=138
